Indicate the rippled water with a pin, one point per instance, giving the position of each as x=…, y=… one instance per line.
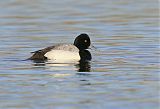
x=123, y=73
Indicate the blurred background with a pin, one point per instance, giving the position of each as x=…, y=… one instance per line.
x=123, y=72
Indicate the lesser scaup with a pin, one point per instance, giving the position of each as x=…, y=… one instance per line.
x=66, y=52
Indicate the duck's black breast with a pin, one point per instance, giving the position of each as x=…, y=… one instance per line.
x=85, y=55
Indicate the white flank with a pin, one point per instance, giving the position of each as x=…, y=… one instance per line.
x=61, y=56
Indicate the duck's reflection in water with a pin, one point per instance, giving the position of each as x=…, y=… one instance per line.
x=82, y=66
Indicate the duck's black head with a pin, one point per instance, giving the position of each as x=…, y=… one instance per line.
x=82, y=42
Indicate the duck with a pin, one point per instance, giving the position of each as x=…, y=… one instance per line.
x=65, y=52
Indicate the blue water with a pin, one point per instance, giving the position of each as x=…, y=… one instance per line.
x=123, y=72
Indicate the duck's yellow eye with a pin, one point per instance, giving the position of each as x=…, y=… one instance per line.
x=85, y=40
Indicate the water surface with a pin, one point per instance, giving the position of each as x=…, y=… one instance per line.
x=123, y=72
